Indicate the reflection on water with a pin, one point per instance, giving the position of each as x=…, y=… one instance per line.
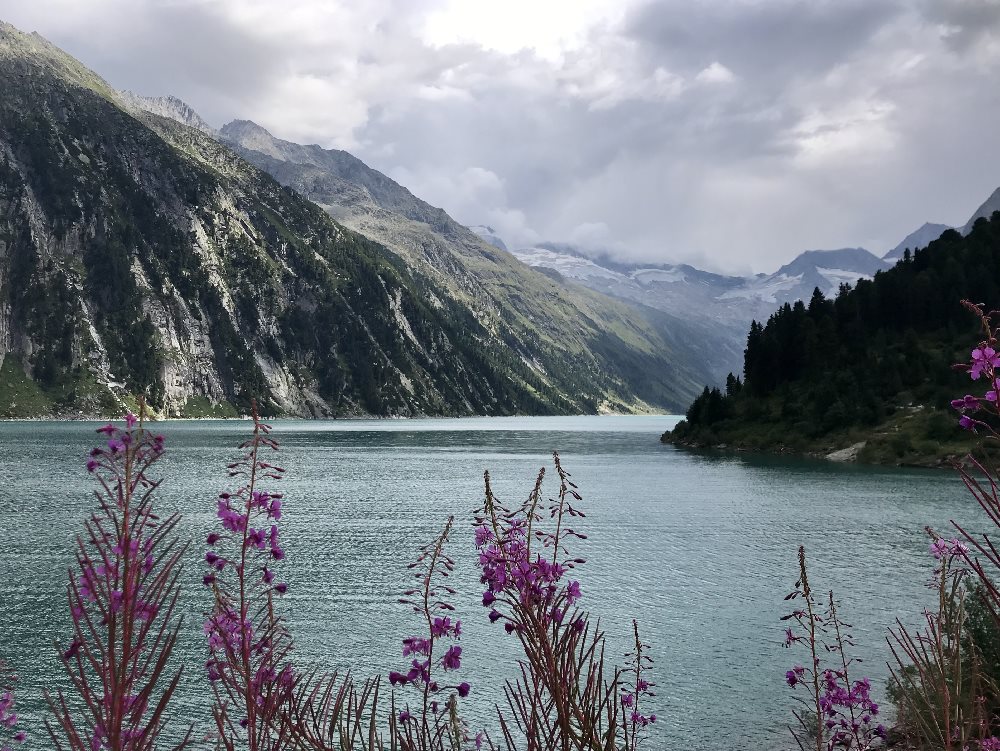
x=701, y=549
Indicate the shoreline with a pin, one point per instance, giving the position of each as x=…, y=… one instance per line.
x=342, y=418
x=849, y=455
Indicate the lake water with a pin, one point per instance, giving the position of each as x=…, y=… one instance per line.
x=700, y=549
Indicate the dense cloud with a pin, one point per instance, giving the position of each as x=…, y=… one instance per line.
x=731, y=133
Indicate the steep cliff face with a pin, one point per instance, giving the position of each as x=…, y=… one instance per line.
x=139, y=256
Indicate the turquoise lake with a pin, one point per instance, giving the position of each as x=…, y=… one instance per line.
x=700, y=549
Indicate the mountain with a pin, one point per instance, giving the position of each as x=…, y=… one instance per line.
x=985, y=211
x=343, y=180
x=919, y=238
x=166, y=106
x=720, y=308
x=823, y=269
x=138, y=255
x=549, y=322
x=871, y=370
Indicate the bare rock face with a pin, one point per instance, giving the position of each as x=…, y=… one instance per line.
x=166, y=106
x=139, y=256
x=849, y=454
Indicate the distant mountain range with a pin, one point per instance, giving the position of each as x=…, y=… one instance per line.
x=721, y=303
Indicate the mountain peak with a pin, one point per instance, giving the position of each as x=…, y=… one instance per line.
x=237, y=128
x=919, y=238
x=985, y=211
x=33, y=52
x=254, y=137
x=859, y=260
x=167, y=106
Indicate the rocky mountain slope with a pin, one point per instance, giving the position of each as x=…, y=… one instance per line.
x=138, y=255
x=660, y=350
x=166, y=106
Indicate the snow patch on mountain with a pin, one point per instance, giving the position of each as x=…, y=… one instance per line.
x=836, y=277
x=771, y=289
x=663, y=276
x=571, y=266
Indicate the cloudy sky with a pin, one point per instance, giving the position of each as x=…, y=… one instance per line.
x=728, y=133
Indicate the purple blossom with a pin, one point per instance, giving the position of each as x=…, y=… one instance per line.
x=483, y=536
x=121, y=599
x=429, y=598
x=941, y=548
x=452, y=659
x=844, y=706
x=966, y=403
x=573, y=592
x=247, y=640
x=8, y=715
x=984, y=359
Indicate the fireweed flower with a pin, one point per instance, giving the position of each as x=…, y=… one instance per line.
x=941, y=548
x=436, y=719
x=984, y=360
x=983, y=364
x=121, y=596
x=561, y=698
x=632, y=693
x=248, y=644
x=528, y=580
x=838, y=712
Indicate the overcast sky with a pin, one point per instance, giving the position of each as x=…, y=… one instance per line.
x=728, y=133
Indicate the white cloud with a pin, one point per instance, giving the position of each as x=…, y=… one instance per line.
x=549, y=28
x=715, y=73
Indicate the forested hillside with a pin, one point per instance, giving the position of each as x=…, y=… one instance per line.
x=873, y=365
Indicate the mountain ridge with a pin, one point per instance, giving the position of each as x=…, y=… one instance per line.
x=141, y=256
x=426, y=237
x=990, y=205
x=919, y=238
